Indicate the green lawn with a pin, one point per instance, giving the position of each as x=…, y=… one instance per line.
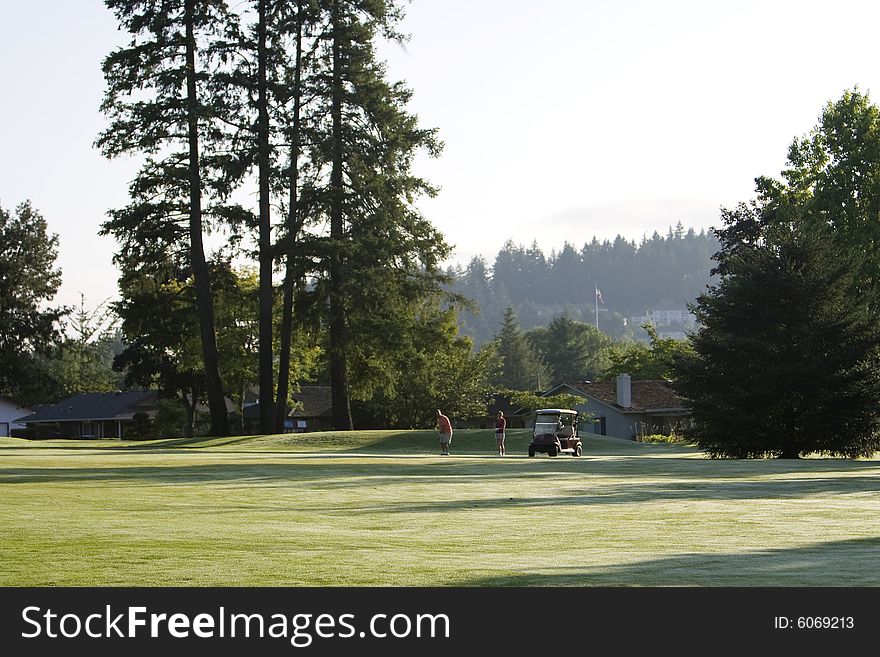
x=383, y=508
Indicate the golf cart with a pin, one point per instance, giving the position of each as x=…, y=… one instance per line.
x=556, y=431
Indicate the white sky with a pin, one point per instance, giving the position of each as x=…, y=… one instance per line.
x=562, y=119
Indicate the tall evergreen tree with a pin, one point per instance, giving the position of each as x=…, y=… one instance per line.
x=295, y=21
x=521, y=368
x=161, y=102
x=381, y=253
x=84, y=360
x=791, y=329
x=265, y=246
x=266, y=82
x=339, y=37
x=787, y=361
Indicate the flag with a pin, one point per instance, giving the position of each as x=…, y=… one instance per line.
x=599, y=296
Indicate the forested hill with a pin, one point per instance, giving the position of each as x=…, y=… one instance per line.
x=661, y=272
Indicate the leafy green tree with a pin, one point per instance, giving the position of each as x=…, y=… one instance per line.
x=237, y=301
x=832, y=182
x=161, y=103
x=430, y=367
x=656, y=361
x=573, y=351
x=532, y=402
x=787, y=361
x=29, y=281
x=521, y=368
x=160, y=327
x=171, y=420
x=159, y=321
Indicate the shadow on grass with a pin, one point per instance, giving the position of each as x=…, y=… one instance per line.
x=330, y=474
x=653, y=460
x=628, y=494
x=839, y=563
x=635, y=480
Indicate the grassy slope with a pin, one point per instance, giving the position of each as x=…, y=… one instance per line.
x=381, y=508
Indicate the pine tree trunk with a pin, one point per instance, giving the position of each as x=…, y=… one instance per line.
x=338, y=371
x=267, y=404
x=293, y=227
x=204, y=301
x=790, y=449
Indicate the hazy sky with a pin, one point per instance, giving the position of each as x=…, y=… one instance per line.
x=562, y=119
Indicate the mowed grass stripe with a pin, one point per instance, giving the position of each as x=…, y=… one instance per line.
x=379, y=508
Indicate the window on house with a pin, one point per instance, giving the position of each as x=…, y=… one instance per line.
x=88, y=430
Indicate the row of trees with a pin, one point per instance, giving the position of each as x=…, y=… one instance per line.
x=55, y=352
x=285, y=101
x=660, y=272
x=51, y=352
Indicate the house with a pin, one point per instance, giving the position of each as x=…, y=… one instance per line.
x=670, y=317
x=669, y=323
x=624, y=408
x=91, y=415
x=313, y=411
x=10, y=412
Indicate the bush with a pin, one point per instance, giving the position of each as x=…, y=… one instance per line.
x=171, y=419
x=662, y=438
x=141, y=427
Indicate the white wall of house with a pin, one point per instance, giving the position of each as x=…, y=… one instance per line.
x=9, y=412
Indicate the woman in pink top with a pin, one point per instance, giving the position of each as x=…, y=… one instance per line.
x=500, y=426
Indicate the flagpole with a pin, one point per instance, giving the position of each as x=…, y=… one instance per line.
x=596, y=301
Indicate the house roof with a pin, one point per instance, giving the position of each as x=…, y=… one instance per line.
x=313, y=401
x=95, y=406
x=647, y=395
x=316, y=401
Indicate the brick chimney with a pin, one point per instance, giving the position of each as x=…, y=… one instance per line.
x=624, y=391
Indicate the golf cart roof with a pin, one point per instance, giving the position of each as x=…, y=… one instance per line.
x=555, y=411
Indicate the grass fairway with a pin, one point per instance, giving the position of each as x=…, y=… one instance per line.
x=382, y=508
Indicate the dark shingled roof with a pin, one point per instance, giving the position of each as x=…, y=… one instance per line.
x=317, y=401
x=648, y=395
x=96, y=406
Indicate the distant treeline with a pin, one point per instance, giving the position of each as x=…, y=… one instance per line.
x=661, y=272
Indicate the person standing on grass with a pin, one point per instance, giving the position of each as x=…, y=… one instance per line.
x=444, y=426
x=500, y=426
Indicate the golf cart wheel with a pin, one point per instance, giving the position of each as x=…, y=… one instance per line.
x=577, y=451
x=531, y=452
x=551, y=451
